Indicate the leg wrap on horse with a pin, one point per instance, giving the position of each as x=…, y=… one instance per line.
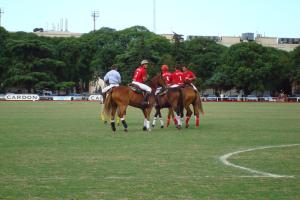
x=154, y=121
x=187, y=119
x=113, y=125
x=145, y=124
x=178, y=119
x=197, y=121
x=168, y=121
x=148, y=125
x=175, y=120
x=161, y=122
x=124, y=123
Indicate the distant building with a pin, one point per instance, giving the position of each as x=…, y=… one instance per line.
x=229, y=40
x=214, y=38
x=57, y=34
x=247, y=37
x=168, y=36
x=286, y=44
x=173, y=37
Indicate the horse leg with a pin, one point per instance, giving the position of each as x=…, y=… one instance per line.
x=169, y=117
x=155, y=116
x=179, y=124
x=158, y=113
x=173, y=117
x=145, y=120
x=177, y=118
x=196, y=113
x=112, y=119
x=161, y=120
x=146, y=112
x=188, y=116
x=118, y=118
x=122, y=111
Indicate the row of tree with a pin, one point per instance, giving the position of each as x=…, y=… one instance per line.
x=35, y=63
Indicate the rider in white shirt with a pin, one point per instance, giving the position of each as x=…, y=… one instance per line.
x=113, y=78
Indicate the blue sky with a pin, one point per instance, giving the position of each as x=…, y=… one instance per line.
x=277, y=18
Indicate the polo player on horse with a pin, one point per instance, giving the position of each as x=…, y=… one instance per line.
x=139, y=77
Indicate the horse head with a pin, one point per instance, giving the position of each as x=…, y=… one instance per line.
x=158, y=81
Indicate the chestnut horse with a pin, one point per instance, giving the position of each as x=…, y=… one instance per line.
x=192, y=97
x=173, y=100
x=122, y=96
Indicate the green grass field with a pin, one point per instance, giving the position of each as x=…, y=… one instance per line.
x=61, y=150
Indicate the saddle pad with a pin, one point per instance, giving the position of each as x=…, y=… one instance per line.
x=135, y=88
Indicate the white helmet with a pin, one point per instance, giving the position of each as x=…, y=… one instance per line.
x=144, y=62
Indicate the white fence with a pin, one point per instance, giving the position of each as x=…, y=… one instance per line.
x=35, y=97
x=258, y=99
x=98, y=97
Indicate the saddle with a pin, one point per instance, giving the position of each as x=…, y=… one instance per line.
x=186, y=85
x=162, y=92
x=136, y=88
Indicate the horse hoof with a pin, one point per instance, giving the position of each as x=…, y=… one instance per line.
x=125, y=130
x=153, y=125
x=161, y=126
x=144, y=128
x=187, y=126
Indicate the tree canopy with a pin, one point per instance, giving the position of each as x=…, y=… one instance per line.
x=30, y=62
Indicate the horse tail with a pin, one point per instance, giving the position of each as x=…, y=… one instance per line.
x=107, y=104
x=180, y=103
x=199, y=103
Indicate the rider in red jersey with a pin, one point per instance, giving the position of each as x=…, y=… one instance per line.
x=139, y=77
x=189, y=76
x=166, y=74
x=177, y=77
x=167, y=77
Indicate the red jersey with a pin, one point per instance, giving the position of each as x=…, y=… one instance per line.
x=168, y=77
x=140, y=74
x=177, y=77
x=189, y=76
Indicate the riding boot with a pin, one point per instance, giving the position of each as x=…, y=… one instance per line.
x=145, y=101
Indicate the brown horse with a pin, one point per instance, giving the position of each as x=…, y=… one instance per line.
x=192, y=97
x=122, y=96
x=173, y=100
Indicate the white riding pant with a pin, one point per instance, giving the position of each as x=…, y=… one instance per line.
x=143, y=86
x=174, y=86
x=158, y=90
x=108, y=87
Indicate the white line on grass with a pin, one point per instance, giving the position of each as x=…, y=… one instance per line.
x=261, y=173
